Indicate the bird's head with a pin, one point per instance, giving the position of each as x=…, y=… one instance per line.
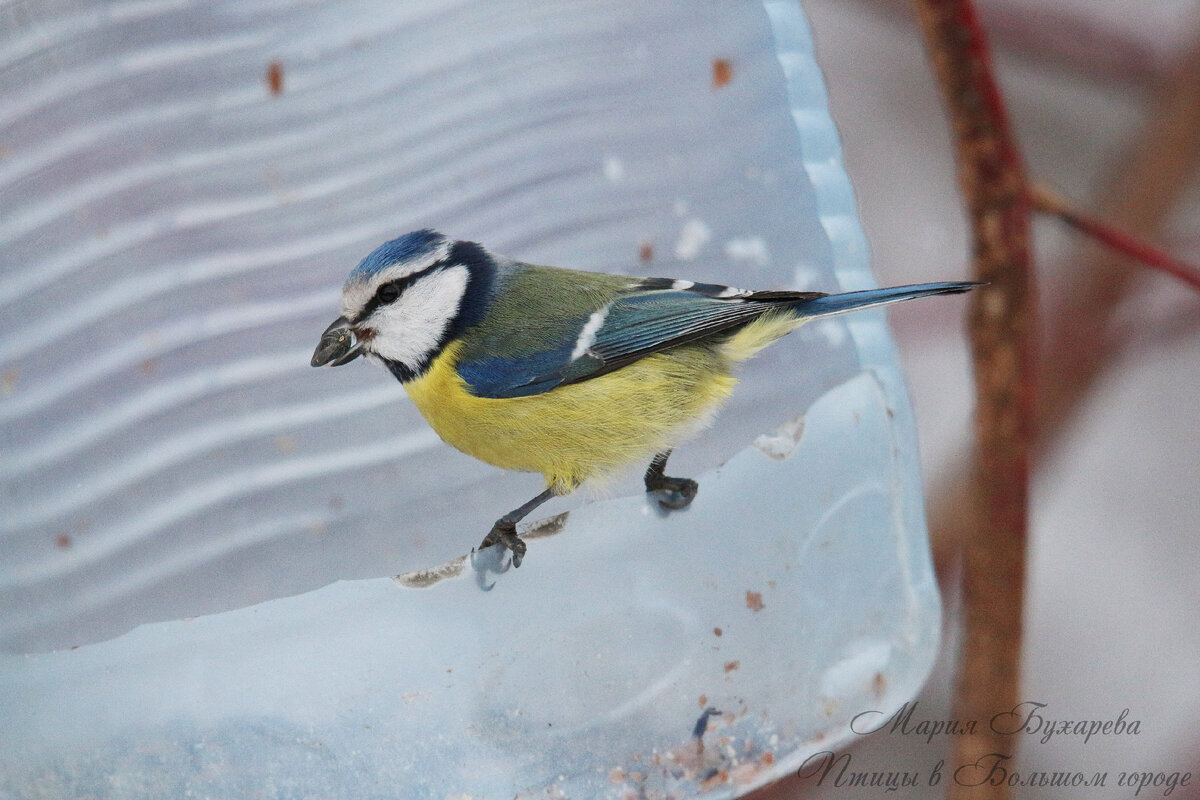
x=406, y=300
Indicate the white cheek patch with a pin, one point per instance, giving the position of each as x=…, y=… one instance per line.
x=410, y=329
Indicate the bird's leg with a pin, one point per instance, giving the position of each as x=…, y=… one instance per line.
x=504, y=532
x=670, y=493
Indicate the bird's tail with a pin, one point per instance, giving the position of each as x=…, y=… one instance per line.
x=868, y=298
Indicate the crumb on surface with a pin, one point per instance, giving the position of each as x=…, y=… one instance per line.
x=546, y=527
x=722, y=72
x=424, y=578
x=275, y=78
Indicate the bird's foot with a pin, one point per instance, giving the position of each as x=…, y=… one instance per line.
x=505, y=534
x=672, y=493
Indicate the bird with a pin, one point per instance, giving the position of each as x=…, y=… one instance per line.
x=572, y=374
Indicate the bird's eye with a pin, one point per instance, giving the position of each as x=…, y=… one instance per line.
x=388, y=293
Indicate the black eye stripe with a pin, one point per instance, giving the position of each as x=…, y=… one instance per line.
x=383, y=298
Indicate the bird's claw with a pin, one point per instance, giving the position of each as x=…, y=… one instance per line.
x=674, y=493
x=505, y=534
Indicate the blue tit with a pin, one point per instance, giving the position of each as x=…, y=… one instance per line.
x=573, y=375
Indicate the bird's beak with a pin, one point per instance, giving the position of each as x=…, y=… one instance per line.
x=337, y=345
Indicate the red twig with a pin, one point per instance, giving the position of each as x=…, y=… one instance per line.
x=1048, y=202
x=992, y=180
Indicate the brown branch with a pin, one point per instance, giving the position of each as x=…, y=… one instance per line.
x=1049, y=202
x=1078, y=343
x=992, y=180
x=1081, y=340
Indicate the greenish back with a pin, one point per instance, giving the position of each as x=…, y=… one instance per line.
x=538, y=308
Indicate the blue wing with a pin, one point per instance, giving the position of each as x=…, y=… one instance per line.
x=648, y=319
x=654, y=316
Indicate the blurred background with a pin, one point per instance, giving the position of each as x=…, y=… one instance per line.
x=1114, y=564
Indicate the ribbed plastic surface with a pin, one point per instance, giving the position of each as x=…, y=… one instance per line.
x=185, y=185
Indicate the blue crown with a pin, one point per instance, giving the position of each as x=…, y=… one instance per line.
x=407, y=247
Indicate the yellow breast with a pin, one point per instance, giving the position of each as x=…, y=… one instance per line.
x=582, y=430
